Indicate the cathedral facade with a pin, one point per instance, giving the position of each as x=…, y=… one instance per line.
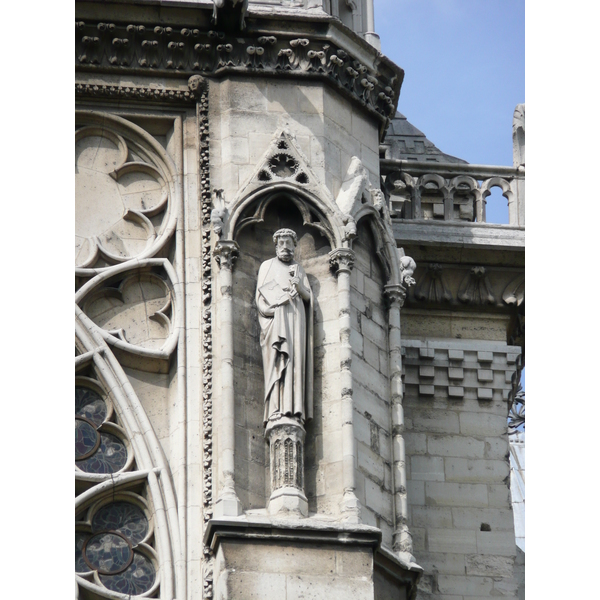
x=297, y=338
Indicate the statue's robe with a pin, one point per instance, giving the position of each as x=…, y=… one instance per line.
x=286, y=341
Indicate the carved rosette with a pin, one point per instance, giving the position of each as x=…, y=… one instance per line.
x=286, y=442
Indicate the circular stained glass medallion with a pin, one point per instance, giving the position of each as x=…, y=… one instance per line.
x=90, y=405
x=87, y=439
x=110, y=457
x=123, y=517
x=108, y=553
x=138, y=578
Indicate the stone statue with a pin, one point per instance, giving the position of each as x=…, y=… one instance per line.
x=285, y=314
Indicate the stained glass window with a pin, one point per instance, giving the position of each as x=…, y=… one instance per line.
x=95, y=451
x=112, y=548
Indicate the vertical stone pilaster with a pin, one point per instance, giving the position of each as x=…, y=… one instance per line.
x=402, y=540
x=227, y=503
x=342, y=261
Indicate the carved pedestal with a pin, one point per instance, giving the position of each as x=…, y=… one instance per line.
x=286, y=441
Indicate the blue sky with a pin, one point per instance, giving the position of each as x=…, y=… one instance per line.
x=464, y=63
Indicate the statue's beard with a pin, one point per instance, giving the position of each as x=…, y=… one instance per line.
x=285, y=255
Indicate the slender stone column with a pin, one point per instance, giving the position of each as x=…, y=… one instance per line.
x=227, y=503
x=342, y=260
x=402, y=542
x=286, y=442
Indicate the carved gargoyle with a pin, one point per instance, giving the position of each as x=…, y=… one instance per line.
x=407, y=269
x=231, y=13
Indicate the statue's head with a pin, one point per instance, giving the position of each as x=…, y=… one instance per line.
x=285, y=244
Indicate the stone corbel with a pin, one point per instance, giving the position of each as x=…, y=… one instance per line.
x=227, y=503
x=342, y=261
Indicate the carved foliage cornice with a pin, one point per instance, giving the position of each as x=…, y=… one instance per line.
x=186, y=50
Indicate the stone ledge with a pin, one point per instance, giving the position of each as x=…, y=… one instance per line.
x=296, y=530
x=480, y=235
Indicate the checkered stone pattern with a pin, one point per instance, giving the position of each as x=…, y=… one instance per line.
x=456, y=435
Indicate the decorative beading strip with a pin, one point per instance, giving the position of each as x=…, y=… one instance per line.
x=207, y=371
x=134, y=92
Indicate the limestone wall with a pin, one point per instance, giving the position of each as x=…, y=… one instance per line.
x=370, y=369
x=246, y=113
x=455, y=408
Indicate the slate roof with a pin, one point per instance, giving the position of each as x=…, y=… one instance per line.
x=405, y=142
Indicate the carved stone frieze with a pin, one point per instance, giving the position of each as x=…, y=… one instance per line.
x=432, y=287
x=448, y=285
x=475, y=288
x=142, y=47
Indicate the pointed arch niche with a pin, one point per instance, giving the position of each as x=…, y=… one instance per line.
x=253, y=233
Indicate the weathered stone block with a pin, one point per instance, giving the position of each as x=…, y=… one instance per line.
x=455, y=354
x=370, y=463
x=455, y=373
x=455, y=445
x=416, y=492
x=426, y=390
x=432, y=517
x=496, y=447
x=448, y=563
x=456, y=494
x=465, y=585
x=483, y=356
x=435, y=421
x=473, y=518
x=485, y=375
x=451, y=540
x=426, y=371
x=456, y=391
x=489, y=565
x=427, y=468
x=499, y=496
x=496, y=542
x=482, y=424
x=415, y=443
x=475, y=471
x=485, y=393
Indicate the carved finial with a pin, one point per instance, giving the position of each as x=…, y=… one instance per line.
x=519, y=136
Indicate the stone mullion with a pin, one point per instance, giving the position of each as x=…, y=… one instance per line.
x=343, y=260
x=402, y=539
x=227, y=503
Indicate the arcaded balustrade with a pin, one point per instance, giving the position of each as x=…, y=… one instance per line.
x=451, y=192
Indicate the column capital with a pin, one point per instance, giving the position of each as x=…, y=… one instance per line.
x=396, y=294
x=342, y=260
x=225, y=253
